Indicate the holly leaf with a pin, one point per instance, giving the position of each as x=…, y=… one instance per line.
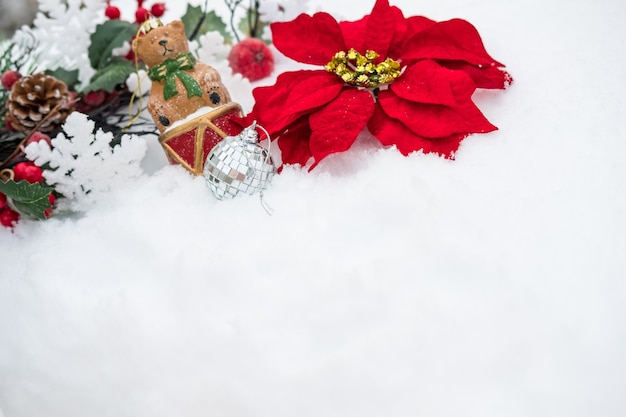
x=198, y=23
x=70, y=78
x=31, y=200
x=114, y=73
x=108, y=36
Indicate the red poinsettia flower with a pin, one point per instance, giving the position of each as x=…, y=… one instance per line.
x=408, y=80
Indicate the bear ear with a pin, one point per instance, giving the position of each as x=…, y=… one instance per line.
x=178, y=26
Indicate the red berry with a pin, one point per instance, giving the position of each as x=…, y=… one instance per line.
x=251, y=58
x=142, y=15
x=130, y=56
x=157, y=9
x=95, y=98
x=28, y=171
x=112, y=12
x=38, y=136
x=48, y=211
x=3, y=201
x=8, y=217
x=9, y=78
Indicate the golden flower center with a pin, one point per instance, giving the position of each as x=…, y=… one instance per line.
x=361, y=71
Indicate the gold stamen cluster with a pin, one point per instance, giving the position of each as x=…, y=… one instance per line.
x=360, y=70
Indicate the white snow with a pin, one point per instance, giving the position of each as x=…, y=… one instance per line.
x=383, y=285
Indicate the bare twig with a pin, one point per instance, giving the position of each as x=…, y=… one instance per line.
x=253, y=18
x=232, y=7
x=196, y=30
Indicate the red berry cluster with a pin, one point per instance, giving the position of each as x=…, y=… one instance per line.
x=8, y=216
x=30, y=172
x=141, y=14
x=93, y=100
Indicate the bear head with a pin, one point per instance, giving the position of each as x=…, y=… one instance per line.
x=162, y=42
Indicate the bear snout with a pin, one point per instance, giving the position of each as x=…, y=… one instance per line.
x=163, y=43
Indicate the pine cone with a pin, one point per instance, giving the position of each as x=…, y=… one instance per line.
x=38, y=101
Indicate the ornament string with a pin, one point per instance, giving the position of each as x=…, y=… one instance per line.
x=146, y=27
x=268, y=209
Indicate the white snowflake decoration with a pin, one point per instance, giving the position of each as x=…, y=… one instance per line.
x=139, y=83
x=83, y=165
x=281, y=11
x=61, y=32
x=212, y=50
x=210, y=47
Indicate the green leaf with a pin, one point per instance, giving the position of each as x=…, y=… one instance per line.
x=70, y=78
x=113, y=74
x=108, y=36
x=212, y=22
x=28, y=199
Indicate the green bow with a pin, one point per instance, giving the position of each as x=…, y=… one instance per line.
x=175, y=67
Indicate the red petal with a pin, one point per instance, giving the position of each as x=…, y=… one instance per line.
x=435, y=120
x=381, y=27
x=283, y=109
x=485, y=77
x=294, y=143
x=336, y=126
x=268, y=100
x=354, y=33
x=293, y=94
x=382, y=31
x=454, y=40
x=391, y=132
x=319, y=88
x=406, y=29
x=309, y=39
x=417, y=24
x=428, y=82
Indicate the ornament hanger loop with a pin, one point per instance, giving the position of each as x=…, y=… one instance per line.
x=7, y=174
x=269, y=210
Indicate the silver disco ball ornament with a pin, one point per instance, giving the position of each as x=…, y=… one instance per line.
x=239, y=164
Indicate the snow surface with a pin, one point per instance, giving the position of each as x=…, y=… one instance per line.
x=383, y=285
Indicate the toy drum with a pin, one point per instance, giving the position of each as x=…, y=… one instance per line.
x=189, y=141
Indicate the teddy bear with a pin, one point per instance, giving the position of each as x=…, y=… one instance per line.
x=181, y=85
